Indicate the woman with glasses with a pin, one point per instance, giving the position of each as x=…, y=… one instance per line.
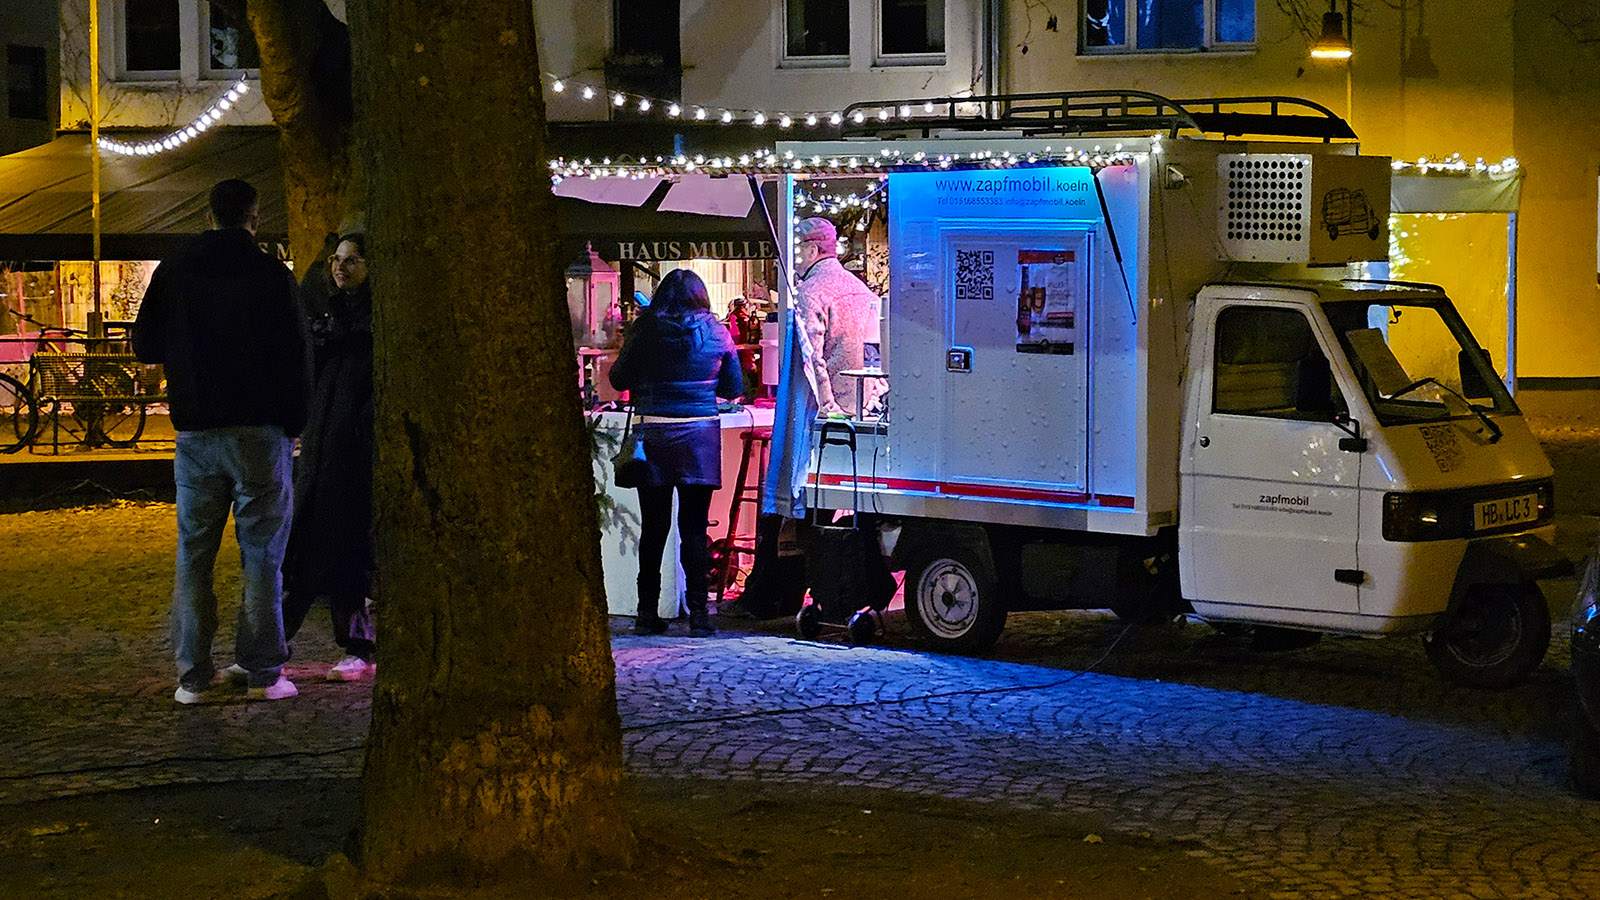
x=330, y=544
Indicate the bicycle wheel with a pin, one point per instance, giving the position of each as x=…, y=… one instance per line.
x=116, y=421
x=20, y=413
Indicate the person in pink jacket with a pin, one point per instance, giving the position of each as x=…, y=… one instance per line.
x=834, y=308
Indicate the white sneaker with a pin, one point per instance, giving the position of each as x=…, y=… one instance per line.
x=235, y=676
x=351, y=668
x=187, y=696
x=282, y=689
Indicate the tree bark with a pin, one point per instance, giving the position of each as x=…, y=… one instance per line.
x=496, y=745
x=305, y=80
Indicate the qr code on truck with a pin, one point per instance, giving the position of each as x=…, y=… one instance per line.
x=974, y=274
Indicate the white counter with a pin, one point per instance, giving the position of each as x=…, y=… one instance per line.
x=619, y=531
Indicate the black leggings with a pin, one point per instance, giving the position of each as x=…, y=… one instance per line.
x=694, y=509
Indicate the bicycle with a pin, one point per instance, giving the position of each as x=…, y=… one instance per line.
x=20, y=415
x=100, y=387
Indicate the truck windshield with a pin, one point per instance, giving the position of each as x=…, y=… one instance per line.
x=1417, y=361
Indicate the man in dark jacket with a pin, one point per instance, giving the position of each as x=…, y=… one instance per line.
x=223, y=320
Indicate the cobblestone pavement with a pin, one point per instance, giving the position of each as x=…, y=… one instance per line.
x=1345, y=770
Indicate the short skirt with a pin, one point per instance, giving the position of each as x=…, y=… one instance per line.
x=688, y=452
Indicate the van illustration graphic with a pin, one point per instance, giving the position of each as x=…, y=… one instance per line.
x=1347, y=212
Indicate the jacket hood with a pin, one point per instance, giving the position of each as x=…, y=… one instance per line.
x=689, y=331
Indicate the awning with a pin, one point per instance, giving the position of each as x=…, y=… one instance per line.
x=650, y=231
x=149, y=205
x=1455, y=192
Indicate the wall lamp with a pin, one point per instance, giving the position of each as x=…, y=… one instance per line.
x=1334, y=43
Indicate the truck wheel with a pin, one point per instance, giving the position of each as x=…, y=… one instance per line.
x=1495, y=639
x=952, y=600
x=1583, y=757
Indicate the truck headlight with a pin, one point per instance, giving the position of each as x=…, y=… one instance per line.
x=1413, y=517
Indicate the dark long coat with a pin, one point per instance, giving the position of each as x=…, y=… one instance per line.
x=330, y=545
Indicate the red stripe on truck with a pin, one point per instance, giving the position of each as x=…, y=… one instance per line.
x=996, y=491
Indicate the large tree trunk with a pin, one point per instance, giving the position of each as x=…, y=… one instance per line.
x=305, y=80
x=496, y=744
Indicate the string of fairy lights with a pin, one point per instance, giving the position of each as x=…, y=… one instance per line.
x=881, y=161
x=727, y=115
x=212, y=116
x=1455, y=164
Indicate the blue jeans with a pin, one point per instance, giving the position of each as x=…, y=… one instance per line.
x=246, y=469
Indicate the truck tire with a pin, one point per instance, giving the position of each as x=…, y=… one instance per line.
x=952, y=600
x=1495, y=638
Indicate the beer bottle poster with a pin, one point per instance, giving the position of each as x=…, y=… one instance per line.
x=1046, y=302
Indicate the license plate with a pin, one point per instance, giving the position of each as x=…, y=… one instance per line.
x=1505, y=511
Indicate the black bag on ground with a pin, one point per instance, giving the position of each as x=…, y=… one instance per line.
x=776, y=585
x=846, y=570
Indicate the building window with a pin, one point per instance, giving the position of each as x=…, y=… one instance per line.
x=817, y=31
x=171, y=40
x=911, y=28
x=232, y=45
x=25, y=82
x=1131, y=26
x=151, y=36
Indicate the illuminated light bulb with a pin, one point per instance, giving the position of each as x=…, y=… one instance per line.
x=699, y=112
x=243, y=87
x=905, y=112
x=857, y=117
x=927, y=107
x=883, y=115
x=588, y=92
x=558, y=85
x=834, y=119
x=726, y=117
x=617, y=99
x=644, y=105
x=759, y=119
x=224, y=103
x=785, y=121
x=811, y=120
x=233, y=95
x=674, y=110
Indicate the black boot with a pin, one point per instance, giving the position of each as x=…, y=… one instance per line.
x=700, y=620
x=649, y=621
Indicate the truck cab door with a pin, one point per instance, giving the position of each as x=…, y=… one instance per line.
x=1268, y=524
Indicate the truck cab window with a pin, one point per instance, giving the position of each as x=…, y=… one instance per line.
x=1417, y=362
x=1268, y=363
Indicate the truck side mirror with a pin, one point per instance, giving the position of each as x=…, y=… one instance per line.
x=1355, y=443
x=1473, y=387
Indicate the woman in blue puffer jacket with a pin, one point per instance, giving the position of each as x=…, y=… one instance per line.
x=676, y=360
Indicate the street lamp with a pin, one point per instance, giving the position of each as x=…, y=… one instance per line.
x=1335, y=44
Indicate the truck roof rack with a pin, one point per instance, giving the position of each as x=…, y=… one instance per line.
x=1068, y=113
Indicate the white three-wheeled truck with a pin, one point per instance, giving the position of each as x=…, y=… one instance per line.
x=1140, y=374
